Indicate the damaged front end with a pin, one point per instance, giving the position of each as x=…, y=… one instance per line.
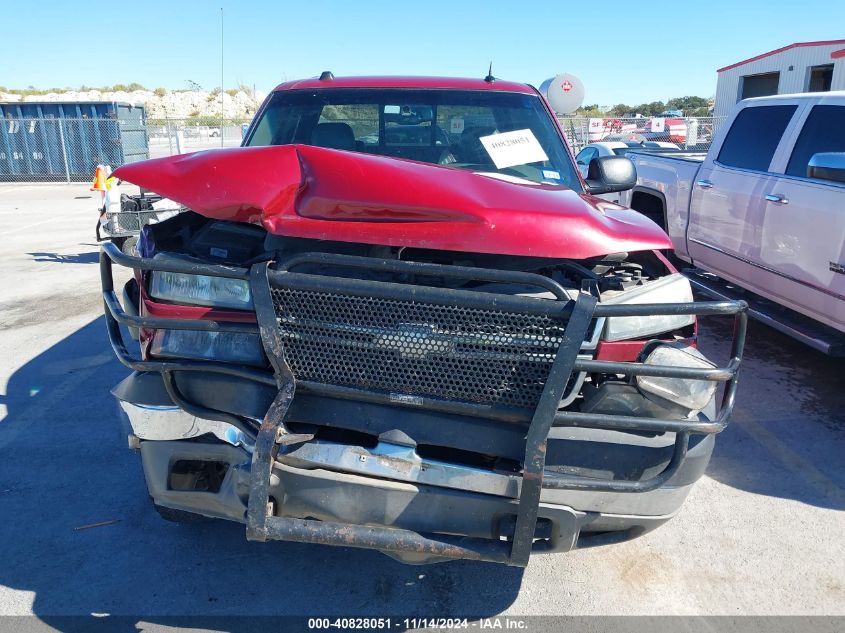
x=431, y=410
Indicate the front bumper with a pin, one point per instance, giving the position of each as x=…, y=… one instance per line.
x=301, y=494
x=304, y=494
x=157, y=425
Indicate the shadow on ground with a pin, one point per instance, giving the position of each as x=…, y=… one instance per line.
x=65, y=465
x=787, y=435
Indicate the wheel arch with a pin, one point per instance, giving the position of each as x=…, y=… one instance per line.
x=658, y=215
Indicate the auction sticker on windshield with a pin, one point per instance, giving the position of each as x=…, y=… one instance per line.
x=519, y=147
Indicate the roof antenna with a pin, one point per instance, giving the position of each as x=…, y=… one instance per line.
x=326, y=75
x=490, y=78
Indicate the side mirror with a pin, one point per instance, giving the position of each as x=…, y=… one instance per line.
x=827, y=166
x=607, y=174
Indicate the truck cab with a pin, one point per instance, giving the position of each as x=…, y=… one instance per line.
x=762, y=210
x=759, y=219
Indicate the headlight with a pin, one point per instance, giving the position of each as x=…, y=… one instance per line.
x=671, y=289
x=692, y=395
x=216, y=292
x=232, y=347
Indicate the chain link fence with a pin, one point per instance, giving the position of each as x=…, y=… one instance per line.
x=688, y=133
x=68, y=150
x=168, y=137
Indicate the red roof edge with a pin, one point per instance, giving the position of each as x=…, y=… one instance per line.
x=838, y=54
x=782, y=49
x=406, y=81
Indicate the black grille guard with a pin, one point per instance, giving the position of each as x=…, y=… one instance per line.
x=568, y=360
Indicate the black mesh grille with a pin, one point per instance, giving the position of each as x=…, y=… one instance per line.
x=418, y=349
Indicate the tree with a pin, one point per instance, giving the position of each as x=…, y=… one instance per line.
x=686, y=104
x=651, y=109
x=592, y=110
x=620, y=109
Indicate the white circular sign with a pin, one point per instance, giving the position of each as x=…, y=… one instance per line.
x=565, y=93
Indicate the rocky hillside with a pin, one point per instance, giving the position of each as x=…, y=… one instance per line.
x=177, y=104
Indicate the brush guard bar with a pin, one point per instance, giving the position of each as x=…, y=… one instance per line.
x=579, y=315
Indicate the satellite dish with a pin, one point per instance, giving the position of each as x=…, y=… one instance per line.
x=565, y=93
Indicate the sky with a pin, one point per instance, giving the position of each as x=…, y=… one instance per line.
x=624, y=52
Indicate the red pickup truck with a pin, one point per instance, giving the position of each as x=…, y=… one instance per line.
x=398, y=318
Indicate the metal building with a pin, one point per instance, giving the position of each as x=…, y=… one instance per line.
x=800, y=67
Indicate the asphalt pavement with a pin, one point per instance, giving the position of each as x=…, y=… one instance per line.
x=762, y=533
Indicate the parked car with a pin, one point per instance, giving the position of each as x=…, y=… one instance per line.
x=618, y=148
x=435, y=351
x=762, y=211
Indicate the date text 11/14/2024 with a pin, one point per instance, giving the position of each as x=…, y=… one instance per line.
x=496, y=623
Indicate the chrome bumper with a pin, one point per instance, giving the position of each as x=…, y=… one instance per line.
x=159, y=423
x=388, y=460
x=398, y=462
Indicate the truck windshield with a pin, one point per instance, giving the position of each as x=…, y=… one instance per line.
x=503, y=134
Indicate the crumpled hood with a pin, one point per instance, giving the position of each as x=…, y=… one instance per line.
x=327, y=194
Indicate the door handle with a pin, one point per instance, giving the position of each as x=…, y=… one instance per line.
x=704, y=184
x=776, y=197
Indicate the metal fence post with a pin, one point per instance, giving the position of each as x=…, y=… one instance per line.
x=169, y=139
x=64, y=148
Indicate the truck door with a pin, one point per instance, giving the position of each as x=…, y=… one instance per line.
x=803, y=231
x=726, y=204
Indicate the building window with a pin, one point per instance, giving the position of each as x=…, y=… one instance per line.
x=819, y=78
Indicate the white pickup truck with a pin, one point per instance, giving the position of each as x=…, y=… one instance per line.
x=763, y=210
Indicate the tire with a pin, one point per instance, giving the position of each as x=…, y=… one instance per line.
x=128, y=246
x=178, y=516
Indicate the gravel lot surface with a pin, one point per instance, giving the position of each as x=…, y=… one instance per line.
x=762, y=533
